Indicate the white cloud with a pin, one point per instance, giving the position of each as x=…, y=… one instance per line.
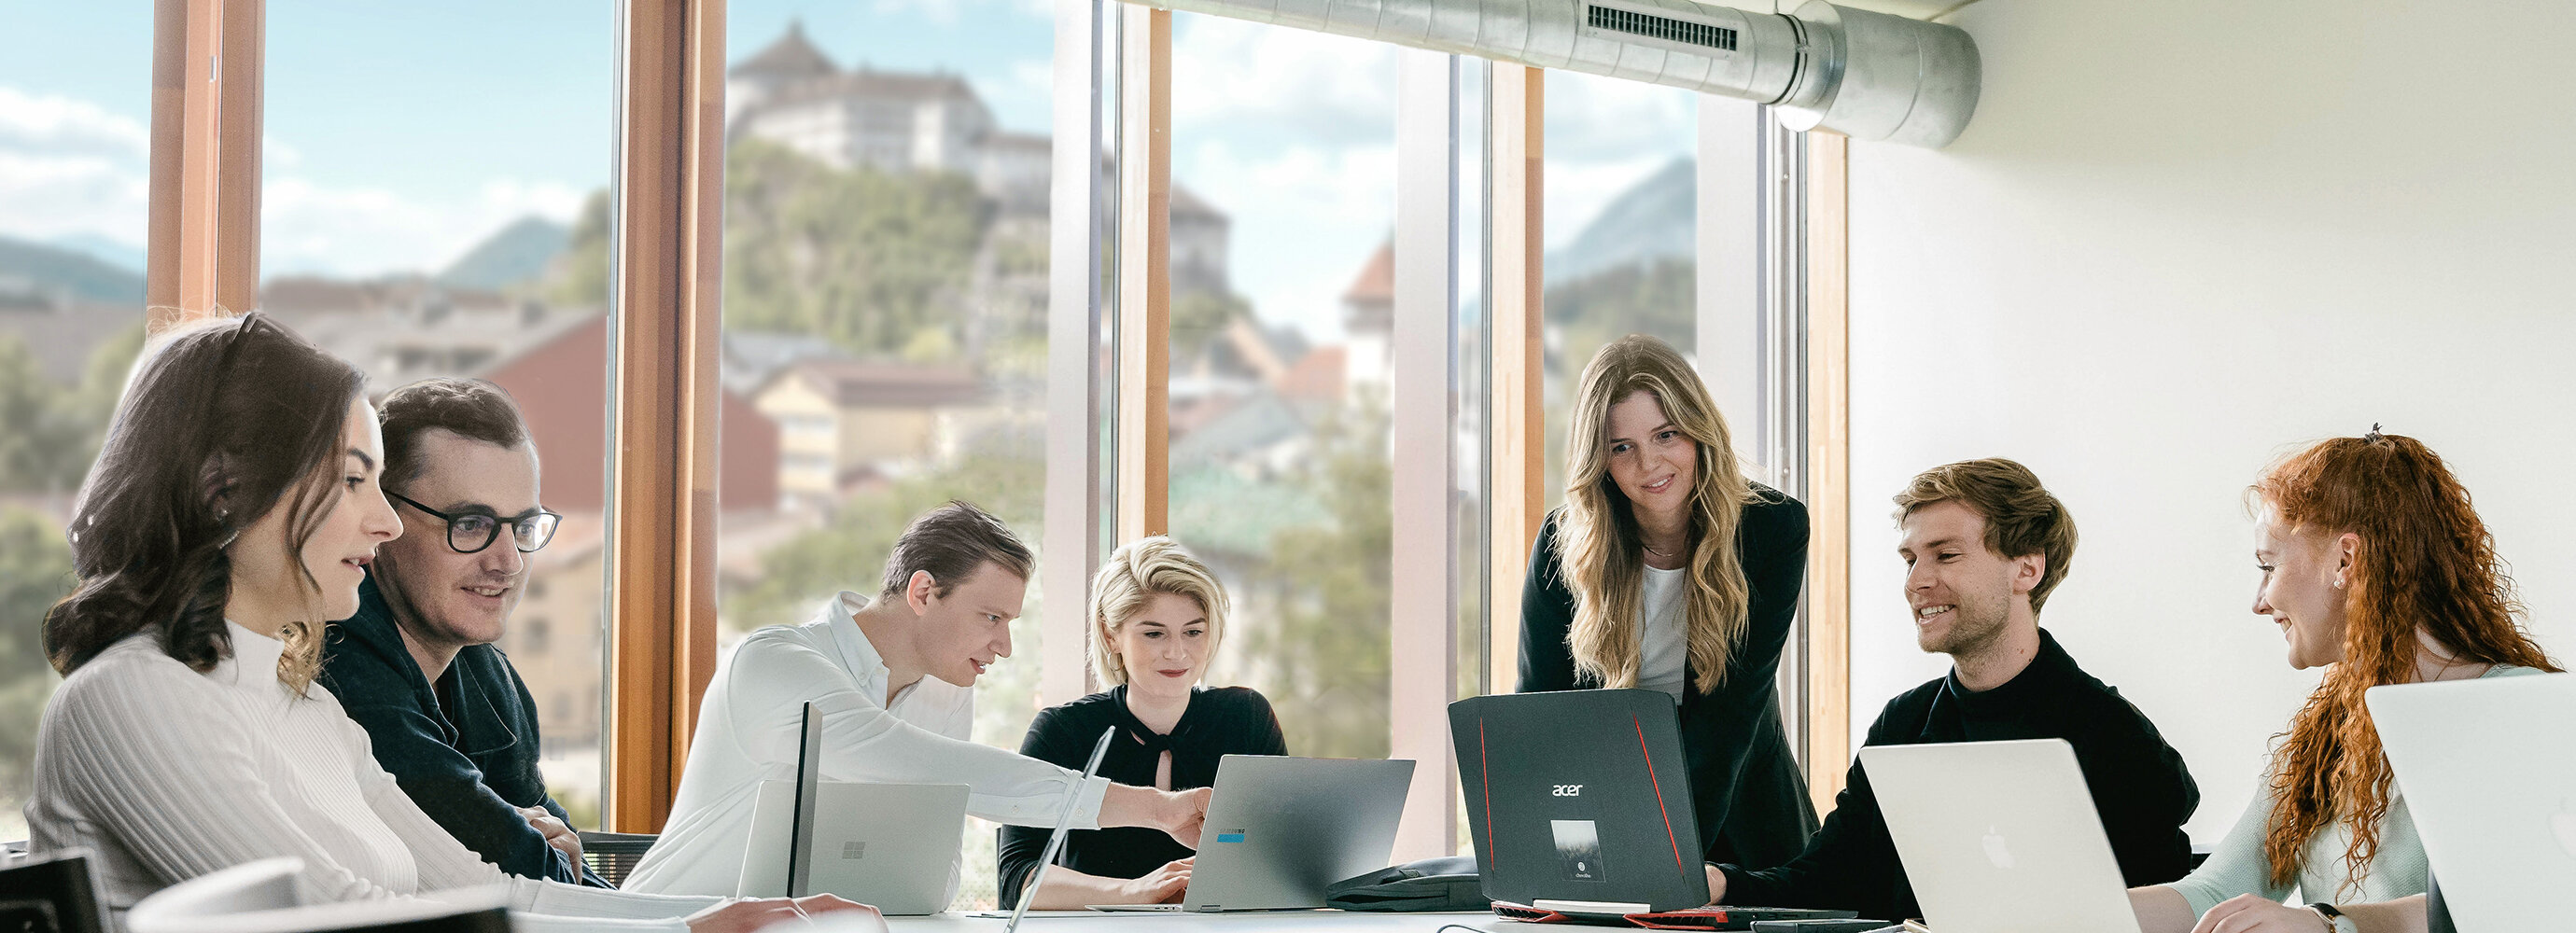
x=1305, y=221
x=363, y=231
x=277, y=155
x=949, y=11
x=1233, y=76
x=1595, y=119
x=67, y=126
x=68, y=166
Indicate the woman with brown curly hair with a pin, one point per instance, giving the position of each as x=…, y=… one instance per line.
x=2376, y=568
x=233, y=509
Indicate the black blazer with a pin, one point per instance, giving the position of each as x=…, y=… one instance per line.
x=1749, y=795
x=1220, y=721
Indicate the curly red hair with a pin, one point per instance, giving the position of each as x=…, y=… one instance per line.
x=2425, y=561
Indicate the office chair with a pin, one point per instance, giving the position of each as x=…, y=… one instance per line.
x=260, y=897
x=53, y=894
x=612, y=855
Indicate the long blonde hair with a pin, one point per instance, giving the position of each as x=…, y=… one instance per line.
x=1600, y=550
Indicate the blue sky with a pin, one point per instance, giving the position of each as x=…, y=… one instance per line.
x=399, y=134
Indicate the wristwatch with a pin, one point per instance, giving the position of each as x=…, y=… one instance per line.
x=2335, y=920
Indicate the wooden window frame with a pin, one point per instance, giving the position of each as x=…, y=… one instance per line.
x=202, y=239
x=1827, y=241
x=1516, y=472
x=666, y=273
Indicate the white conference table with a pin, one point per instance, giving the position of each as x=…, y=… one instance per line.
x=1319, y=921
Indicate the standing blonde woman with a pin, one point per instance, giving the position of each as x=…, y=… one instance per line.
x=1156, y=617
x=1668, y=570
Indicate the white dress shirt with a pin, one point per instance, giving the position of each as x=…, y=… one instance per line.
x=165, y=774
x=752, y=719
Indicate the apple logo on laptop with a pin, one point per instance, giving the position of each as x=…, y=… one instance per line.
x=2563, y=824
x=1996, y=852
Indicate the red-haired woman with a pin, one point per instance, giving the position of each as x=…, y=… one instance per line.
x=2376, y=568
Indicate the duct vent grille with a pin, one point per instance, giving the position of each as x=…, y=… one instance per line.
x=1660, y=27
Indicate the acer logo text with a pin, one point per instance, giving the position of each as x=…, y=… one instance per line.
x=1567, y=790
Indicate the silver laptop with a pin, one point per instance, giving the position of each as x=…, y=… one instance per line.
x=2488, y=768
x=2000, y=837
x=1280, y=830
x=891, y=845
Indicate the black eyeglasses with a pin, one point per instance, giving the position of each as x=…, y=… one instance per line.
x=470, y=534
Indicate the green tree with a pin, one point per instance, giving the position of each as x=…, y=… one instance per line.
x=41, y=450
x=35, y=571
x=49, y=433
x=876, y=262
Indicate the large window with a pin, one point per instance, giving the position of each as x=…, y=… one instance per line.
x=437, y=200
x=75, y=110
x=885, y=299
x=435, y=204
x=1283, y=297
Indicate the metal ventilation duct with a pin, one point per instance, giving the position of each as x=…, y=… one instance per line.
x=1867, y=75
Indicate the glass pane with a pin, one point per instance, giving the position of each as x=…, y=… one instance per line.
x=885, y=294
x=1283, y=205
x=1620, y=227
x=75, y=118
x=434, y=203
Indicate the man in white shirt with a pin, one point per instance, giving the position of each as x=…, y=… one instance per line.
x=891, y=678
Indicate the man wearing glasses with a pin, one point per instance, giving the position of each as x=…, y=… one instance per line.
x=446, y=713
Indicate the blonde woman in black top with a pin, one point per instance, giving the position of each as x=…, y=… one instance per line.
x=1667, y=569
x=1156, y=617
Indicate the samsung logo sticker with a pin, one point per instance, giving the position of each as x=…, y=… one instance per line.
x=1229, y=837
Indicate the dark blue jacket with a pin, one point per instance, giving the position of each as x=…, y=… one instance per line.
x=470, y=761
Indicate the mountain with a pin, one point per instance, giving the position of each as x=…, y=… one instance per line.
x=518, y=253
x=45, y=270
x=109, y=250
x=1655, y=218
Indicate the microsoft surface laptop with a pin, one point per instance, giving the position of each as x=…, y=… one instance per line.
x=2000, y=837
x=1280, y=830
x=2488, y=770
x=894, y=846
x=1579, y=803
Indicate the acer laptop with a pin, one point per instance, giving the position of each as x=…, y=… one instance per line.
x=2000, y=837
x=2488, y=770
x=1579, y=803
x=1280, y=830
x=891, y=845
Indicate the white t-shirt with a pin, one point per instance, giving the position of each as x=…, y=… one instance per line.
x=1664, y=650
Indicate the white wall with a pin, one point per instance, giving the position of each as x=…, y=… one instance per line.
x=2181, y=235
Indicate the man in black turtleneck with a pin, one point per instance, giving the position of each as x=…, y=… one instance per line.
x=1984, y=544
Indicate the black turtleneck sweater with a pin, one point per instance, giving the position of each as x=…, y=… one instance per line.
x=1220, y=721
x=2139, y=785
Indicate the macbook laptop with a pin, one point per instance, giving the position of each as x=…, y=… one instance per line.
x=891, y=845
x=2488, y=769
x=2000, y=837
x=1280, y=830
x=1579, y=803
